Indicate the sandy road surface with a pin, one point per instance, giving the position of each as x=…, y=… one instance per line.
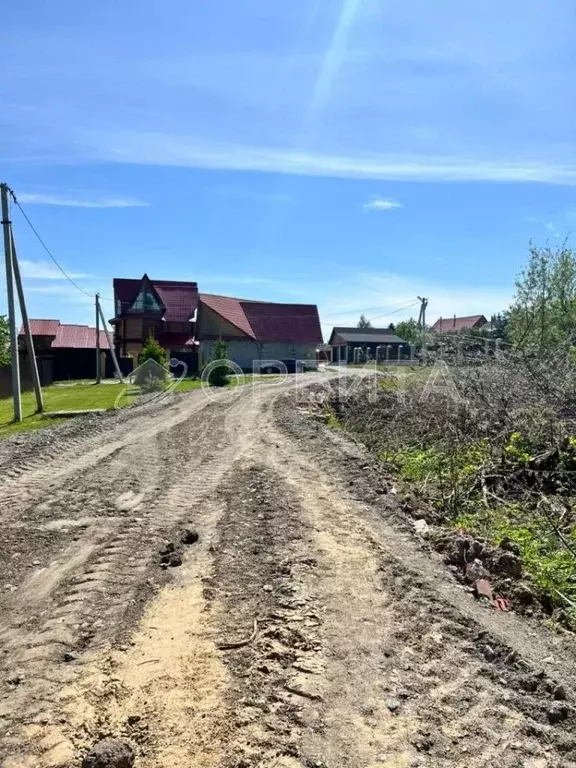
x=365, y=655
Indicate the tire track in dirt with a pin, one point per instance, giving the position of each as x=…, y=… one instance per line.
x=178, y=698
x=23, y=486
x=365, y=656
x=178, y=468
x=431, y=685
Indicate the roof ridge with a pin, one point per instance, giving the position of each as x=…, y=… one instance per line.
x=257, y=301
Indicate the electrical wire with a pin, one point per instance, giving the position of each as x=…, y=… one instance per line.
x=369, y=309
x=412, y=304
x=107, y=298
x=48, y=251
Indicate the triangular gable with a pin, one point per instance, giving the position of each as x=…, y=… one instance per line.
x=146, y=298
x=230, y=309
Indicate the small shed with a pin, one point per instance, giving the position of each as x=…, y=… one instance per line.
x=65, y=351
x=350, y=345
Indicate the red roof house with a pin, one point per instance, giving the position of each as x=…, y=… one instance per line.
x=455, y=324
x=258, y=330
x=266, y=321
x=66, y=351
x=185, y=322
x=164, y=309
x=52, y=334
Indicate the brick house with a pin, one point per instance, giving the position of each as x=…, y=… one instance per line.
x=164, y=309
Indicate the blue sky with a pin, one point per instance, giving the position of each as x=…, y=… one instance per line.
x=350, y=153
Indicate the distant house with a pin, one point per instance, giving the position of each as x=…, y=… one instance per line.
x=65, y=351
x=258, y=330
x=455, y=324
x=374, y=343
x=164, y=309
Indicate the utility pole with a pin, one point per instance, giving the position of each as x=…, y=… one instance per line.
x=422, y=320
x=11, y=308
x=27, y=329
x=98, y=372
x=110, y=343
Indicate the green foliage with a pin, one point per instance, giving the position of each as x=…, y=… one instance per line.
x=389, y=384
x=518, y=449
x=332, y=419
x=4, y=341
x=553, y=568
x=424, y=463
x=499, y=322
x=364, y=322
x=448, y=470
x=543, y=315
x=151, y=374
x=219, y=376
x=409, y=331
x=152, y=351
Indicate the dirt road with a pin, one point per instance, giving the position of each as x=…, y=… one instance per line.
x=305, y=626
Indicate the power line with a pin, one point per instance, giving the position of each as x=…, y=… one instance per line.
x=48, y=251
x=412, y=304
x=369, y=309
x=107, y=298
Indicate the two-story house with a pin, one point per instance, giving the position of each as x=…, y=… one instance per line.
x=164, y=309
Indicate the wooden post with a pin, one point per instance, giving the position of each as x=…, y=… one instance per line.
x=98, y=372
x=110, y=344
x=11, y=308
x=27, y=330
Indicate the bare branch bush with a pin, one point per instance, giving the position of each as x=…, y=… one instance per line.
x=491, y=445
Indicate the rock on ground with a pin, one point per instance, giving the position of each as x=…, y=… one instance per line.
x=110, y=753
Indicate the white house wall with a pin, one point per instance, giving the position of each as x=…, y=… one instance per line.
x=244, y=352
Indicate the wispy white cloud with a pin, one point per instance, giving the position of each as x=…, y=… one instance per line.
x=67, y=201
x=182, y=150
x=64, y=292
x=558, y=226
x=45, y=270
x=397, y=91
x=381, y=204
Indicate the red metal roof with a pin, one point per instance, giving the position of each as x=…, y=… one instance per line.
x=180, y=298
x=452, y=324
x=269, y=321
x=43, y=327
x=230, y=309
x=67, y=336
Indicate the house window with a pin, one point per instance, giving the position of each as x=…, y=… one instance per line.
x=148, y=329
x=145, y=302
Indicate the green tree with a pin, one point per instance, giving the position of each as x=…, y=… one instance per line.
x=363, y=322
x=4, y=341
x=151, y=377
x=152, y=351
x=409, y=331
x=219, y=375
x=499, y=330
x=543, y=314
